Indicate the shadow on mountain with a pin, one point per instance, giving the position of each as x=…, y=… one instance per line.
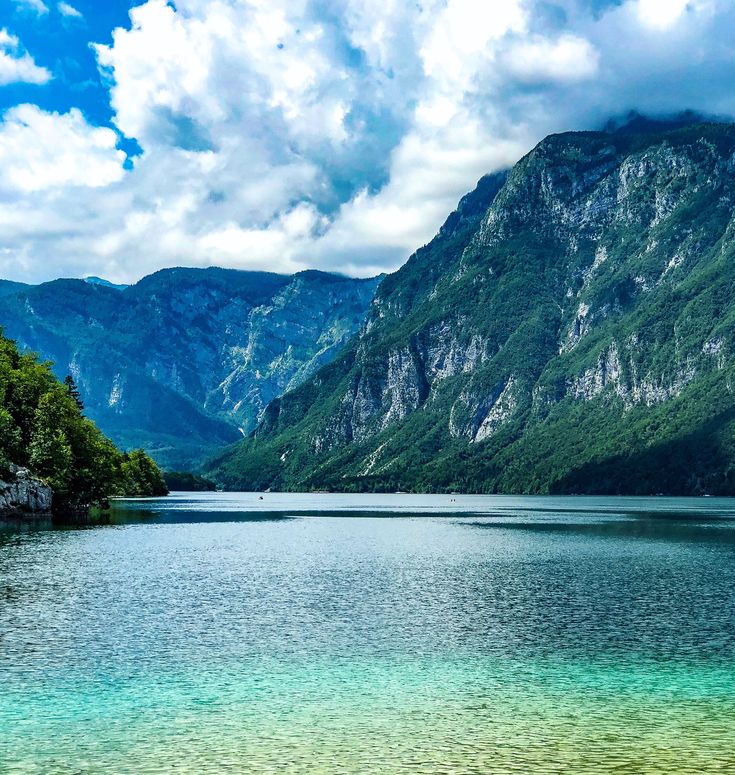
x=697, y=463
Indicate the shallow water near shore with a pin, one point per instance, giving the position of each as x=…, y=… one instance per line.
x=372, y=634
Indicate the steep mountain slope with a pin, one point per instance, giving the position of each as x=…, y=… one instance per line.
x=182, y=360
x=8, y=287
x=570, y=329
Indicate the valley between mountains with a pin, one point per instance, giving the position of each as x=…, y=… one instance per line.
x=570, y=329
x=185, y=361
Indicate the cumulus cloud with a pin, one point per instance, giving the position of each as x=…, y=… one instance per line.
x=41, y=151
x=540, y=60
x=662, y=14
x=283, y=134
x=17, y=66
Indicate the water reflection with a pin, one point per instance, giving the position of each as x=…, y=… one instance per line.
x=12, y=525
x=710, y=528
x=391, y=634
x=141, y=515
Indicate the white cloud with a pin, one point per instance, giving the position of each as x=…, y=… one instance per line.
x=233, y=245
x=537, y=60
x=660, y=14
x=41, y=151
x=276, y=135
x=35, y=6
x=69, y=11
x=17, y=67
x=227, y=65
x=461, y=37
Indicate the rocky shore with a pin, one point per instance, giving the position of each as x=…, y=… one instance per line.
x=22, y=494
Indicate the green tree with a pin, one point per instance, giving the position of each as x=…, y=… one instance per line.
x=10, y=440
x=141, y=476
x=73, y=390
x=42, y=427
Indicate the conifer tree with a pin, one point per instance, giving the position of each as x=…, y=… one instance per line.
x=73, y=390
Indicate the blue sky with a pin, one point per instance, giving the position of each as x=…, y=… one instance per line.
x=60, y=43
x=286, y=134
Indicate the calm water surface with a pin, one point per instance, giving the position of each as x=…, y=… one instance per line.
x=373, y=634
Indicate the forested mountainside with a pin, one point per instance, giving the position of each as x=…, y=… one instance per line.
x=51, y=455
x=181, y=361
x=570, y=329
x=8, y=287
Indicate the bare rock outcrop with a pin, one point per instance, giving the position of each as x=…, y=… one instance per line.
x=22, y=494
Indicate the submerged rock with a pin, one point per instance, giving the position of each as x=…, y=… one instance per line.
x=22, y=493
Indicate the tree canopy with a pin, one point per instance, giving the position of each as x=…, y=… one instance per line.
x=43, y=428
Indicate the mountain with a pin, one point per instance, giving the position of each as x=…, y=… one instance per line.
x=92, y=280
x=570, y=330
x=8, y=287
x=181, y=361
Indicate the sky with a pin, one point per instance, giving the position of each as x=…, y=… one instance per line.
x=292, y=134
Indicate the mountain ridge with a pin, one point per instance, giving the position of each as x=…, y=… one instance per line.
x=180, y=360
x=583, y=321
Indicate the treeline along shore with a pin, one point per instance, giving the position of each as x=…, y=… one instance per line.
x=53, y=459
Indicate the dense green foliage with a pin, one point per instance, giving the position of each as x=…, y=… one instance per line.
x=184, y=481
x=141, y=477
x=42, y=427
x=571, y=329
x=7, y=287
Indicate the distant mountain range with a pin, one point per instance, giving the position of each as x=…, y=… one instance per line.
x=570, y=329
x=185, y=360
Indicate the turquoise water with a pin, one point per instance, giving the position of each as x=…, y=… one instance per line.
x=372, y=634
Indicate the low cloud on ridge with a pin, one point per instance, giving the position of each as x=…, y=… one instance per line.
x=286, y=134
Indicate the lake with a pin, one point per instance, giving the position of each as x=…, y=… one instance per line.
x=372, y=634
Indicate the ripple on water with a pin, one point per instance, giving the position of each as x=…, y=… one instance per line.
x=512, y=637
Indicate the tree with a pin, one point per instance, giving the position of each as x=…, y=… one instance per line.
x=10, y=441
x=73, y=391
x=42, y=427
x=141, y=476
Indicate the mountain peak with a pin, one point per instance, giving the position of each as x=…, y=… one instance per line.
x=93, y=280
x=576, y=336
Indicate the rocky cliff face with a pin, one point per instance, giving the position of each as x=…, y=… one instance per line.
x=186, y=360
x=572, y=318
x=22, y=494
